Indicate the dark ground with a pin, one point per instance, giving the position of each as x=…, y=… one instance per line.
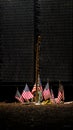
x=16, y=116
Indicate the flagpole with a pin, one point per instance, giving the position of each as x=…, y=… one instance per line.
x=37, y=66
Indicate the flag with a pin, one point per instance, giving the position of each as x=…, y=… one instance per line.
x=18, y=96
x=61, y=89
x=40, y=89
x=46, y=92
x=34, y=88
x=26, y=94
x=58, y=99
x=52, y=99
x=39, y=92
x=39, y=83
x=60, y=96
x=52, y=94
x=39, y=86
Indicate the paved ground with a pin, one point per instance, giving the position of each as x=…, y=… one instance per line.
x=16, y=116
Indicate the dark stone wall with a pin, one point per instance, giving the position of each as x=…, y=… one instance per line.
x=56, y=40
x=17, y=41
